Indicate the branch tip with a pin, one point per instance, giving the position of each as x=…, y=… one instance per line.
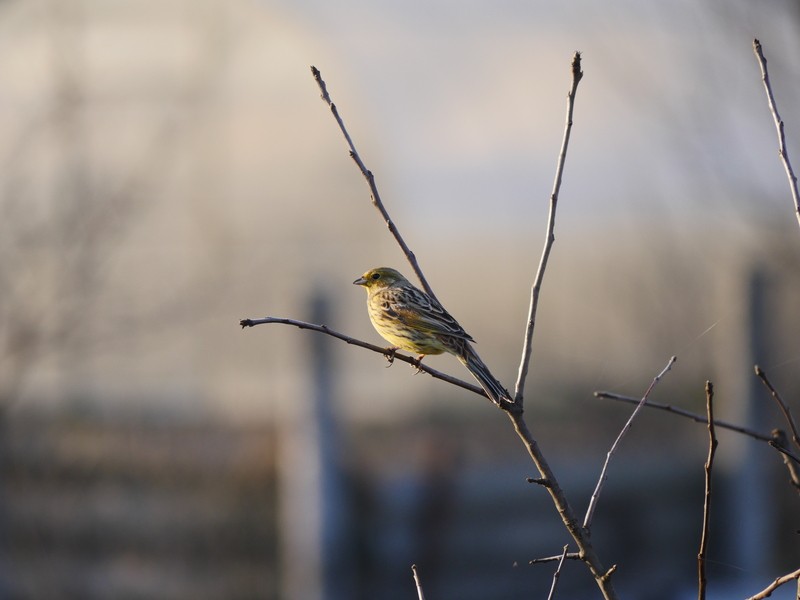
x=607, y=575
x=577, y=73
x=538, y=481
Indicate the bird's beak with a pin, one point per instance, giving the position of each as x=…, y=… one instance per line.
x=360, y=281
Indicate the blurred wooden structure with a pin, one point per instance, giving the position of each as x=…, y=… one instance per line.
x=132, y=508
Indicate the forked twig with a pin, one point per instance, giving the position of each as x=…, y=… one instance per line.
x=777, y=439
x=587, y=520
x=687, y=414
x=712, y=448
x=787, y=165
x=586, y=551
x=373, y=188
x=527, y=345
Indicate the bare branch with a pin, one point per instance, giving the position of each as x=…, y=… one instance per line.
x=712, y=448
x=420, y=594
x=513, y=410
x=779, y=442
x=767, y=592
x=557, y=573
x=555, y=558
x=548, y=480
x=685, y=413
x=527, y=346
x=787, y=413
x=762, y=61
x=390, y=354
x=373, y=188
x=777, y=439
x=587, y=521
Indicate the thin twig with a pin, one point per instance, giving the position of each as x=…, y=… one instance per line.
x=373, y=188
x=767, y=592
x=712, y=448
x=420, y=594
x=554, y=558
x=787, y=413
x=587, y=521
x=779, y=442
x=391, y=355
x=557, y=573
x=685, y=413
x=777, y=439
x=378, y=203
x=787, y=165
x=527, y=346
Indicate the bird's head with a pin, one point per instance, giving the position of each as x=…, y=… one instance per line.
x=379, y=278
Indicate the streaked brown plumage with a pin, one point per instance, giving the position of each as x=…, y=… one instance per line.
x=411, y=320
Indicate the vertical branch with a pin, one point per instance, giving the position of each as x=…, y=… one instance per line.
x=712, y=447
x=787, y=166
x=527, y=346
x=587, y=520
x=373, y=188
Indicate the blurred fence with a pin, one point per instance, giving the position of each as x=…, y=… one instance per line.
x=135, y=508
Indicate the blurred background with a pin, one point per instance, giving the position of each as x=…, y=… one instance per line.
x=168, y=169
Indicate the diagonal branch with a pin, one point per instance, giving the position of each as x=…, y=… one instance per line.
x=418, y=582
x=777, y=439
x=527, y=346
x=373, y=188
x=767, y=592
x=387, y=352
x=787, y=413
x=587, y=520
x=685, y=413
x=586, y=552
x=787, y=166
x=712, y=448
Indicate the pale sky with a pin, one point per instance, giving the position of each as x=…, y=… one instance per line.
x=464, y=101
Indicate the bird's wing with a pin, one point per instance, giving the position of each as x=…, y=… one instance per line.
x=418, y=310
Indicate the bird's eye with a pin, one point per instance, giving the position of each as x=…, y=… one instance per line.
x=376, y=275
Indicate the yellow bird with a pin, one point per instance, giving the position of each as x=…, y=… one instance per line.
x=411, y=320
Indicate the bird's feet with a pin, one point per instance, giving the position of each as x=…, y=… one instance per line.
x=389, y=354
x=418, y=364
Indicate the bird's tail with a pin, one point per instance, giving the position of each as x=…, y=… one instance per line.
x=470, y=359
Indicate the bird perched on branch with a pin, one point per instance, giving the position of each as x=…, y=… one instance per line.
x=411, y=320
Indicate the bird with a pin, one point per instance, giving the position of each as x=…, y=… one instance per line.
x=411, y=320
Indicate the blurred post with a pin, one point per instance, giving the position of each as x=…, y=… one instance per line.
x=315, y=521
x=747, y=464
